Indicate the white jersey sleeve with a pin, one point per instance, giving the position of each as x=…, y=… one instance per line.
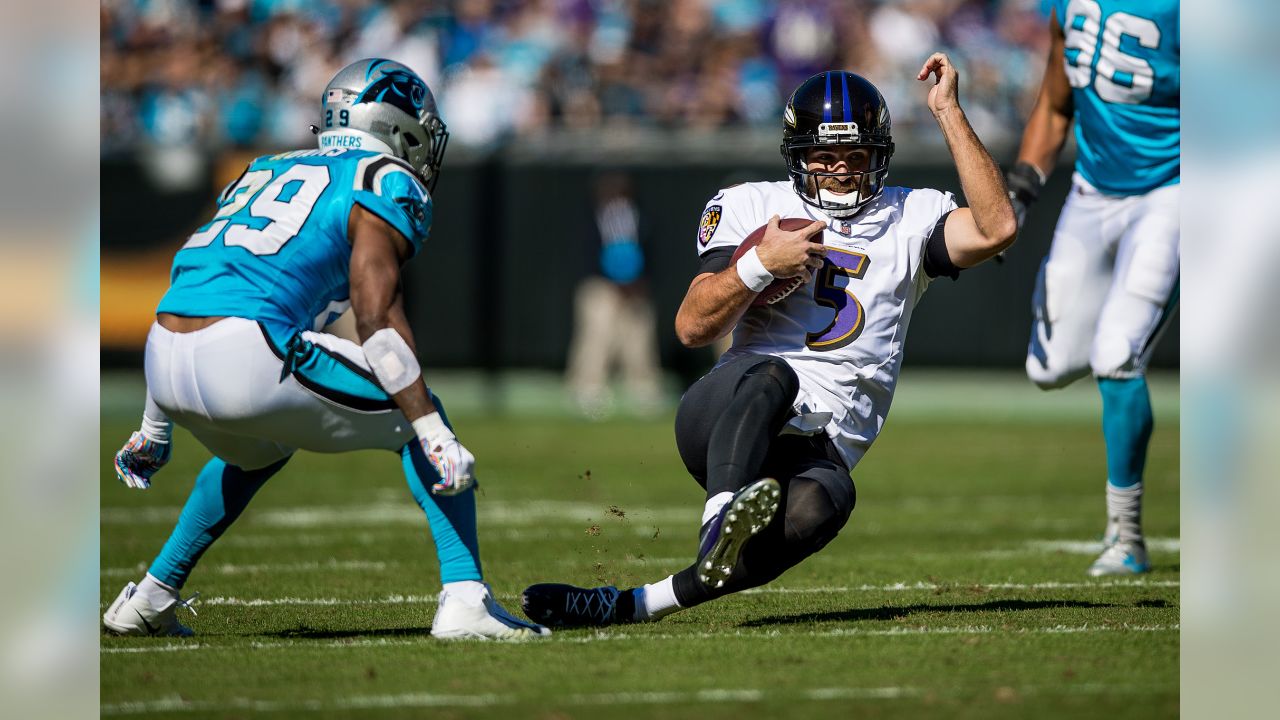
x=921, y=211
x=729, y=217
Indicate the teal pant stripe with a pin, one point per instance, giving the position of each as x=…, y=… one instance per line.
x=328, y=375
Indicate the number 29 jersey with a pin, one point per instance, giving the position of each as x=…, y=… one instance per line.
x=843, y=332
x=277, y=250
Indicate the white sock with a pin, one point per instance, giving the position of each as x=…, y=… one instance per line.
x=1124, y=511
x=160, y=596
x=470, y=591
x=656, y=600
x=714, y=505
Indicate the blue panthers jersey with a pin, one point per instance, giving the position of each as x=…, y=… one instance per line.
x=277, y=250
x=1121, y=58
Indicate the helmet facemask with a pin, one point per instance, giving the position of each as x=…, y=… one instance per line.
x=864, y=186
x=384, y=106
x=422, y=145
x=837, y=109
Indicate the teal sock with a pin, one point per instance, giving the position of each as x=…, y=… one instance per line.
x=1126, y=428
x=220, y=494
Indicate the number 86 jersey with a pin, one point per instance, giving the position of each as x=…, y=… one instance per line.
x=277, y=250
x=843, y=333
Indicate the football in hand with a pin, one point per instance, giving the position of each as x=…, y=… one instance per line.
x=782, y=287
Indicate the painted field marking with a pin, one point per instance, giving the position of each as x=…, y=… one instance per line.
x=235, y=569
x=532, y=513
x=891, y=587
x=175, y=704
x=173, y=647
x=406, y=513
x=607, y=636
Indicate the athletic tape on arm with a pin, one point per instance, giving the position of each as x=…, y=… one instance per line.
x=391, y=360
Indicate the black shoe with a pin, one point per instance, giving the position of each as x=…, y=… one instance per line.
x=746, y=513
x=560, y=605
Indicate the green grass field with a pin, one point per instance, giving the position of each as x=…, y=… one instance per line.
x=956, y=590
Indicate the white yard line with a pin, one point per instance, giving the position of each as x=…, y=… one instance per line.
x=175, y=704
x=891, y=587
x=386, y=511
x=406, y=513
x=1087, y=547
x=175, y=647
x=1051, y=585
x=267, y=602
x=273, y=568
x=622, y=636
x=424, y=700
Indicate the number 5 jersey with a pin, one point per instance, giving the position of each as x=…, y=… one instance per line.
x=844, y=331
x=277, y=250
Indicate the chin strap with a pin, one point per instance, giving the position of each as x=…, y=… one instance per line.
x=849, y=212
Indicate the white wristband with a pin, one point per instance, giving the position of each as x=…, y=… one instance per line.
x=752, y=271
x=430, y=428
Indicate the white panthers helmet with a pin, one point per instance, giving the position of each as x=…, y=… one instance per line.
x=380, y=105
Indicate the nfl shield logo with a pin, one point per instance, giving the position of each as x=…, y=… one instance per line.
x=844, y=227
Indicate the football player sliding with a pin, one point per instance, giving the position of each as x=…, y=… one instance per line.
x=236, y=357
x=1109, y=284
x=775, y=429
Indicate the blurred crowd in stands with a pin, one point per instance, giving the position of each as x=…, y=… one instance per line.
x=249, y=73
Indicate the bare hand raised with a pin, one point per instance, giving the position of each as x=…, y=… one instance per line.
x=945, y=93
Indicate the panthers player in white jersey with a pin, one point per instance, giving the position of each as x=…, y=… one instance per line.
x=1109, y=284
x=775, y=429
x=236, y=357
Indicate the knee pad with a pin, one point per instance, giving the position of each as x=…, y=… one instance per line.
x=1048, y=377
x=1113, y=357
x=777, y=370
x=815, y=512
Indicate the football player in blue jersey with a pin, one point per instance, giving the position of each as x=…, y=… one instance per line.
x=236, y=355
x=1110, y=281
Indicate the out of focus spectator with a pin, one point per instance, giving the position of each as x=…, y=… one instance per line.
x=210, y=74
x=613, y=314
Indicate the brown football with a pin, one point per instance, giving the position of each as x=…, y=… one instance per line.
x=782, y=287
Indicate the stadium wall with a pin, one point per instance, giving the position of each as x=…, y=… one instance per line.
x=509, y=244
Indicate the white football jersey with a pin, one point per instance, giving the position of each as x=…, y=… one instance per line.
x=844, y=331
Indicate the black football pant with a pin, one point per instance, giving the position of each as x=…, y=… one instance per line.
x=727, y=434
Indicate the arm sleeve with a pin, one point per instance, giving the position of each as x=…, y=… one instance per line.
x=715, y=260
x=387, y=188
x=937, y=261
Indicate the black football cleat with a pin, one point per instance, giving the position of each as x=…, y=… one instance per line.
x=558, y=605
x=747, y=513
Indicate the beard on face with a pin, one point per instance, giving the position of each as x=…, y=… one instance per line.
x=842, y=184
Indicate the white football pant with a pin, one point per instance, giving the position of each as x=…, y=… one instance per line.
x=1106, y=287
x=223, y=384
